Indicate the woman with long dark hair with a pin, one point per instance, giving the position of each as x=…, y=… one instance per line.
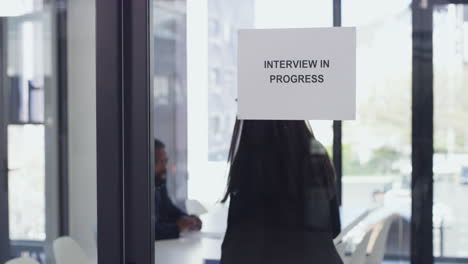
x=281, y=191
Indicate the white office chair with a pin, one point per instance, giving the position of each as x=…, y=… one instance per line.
x=195, y=207
x=67, y=251
x=359, y=254
x=378, y=241
x=22, y=260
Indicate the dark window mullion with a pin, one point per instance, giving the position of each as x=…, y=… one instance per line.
x=110, y=240
x=139, y=201
x=62, y=106
x=422, y=135
x=338, y=158
x=337, y=125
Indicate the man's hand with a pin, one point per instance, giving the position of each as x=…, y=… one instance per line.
x=196, y=223
x=184, y=223
x=189, y=223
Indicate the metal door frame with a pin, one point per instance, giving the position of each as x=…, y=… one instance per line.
x=4, y=215
x=124, y=132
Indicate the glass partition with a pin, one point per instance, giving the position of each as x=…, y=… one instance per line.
x=195, y=91
x=196, y=80
x=212, y=81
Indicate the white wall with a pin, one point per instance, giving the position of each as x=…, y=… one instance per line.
x=82, y=122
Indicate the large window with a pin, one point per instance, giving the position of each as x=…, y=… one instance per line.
x=450, y=131
x=376, y=146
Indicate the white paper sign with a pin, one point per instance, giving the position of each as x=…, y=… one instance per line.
x=297, y=74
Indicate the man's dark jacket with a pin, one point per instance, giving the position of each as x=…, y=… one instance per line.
x=167, y=215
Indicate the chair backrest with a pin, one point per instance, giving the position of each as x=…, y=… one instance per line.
x=341, y=249
x=359, y=254
x=22, y=260
x=67, y=251
x=377, y=251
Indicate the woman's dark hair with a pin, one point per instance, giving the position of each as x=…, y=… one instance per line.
x=271, y=158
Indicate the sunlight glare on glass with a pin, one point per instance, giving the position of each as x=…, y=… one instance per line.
x=365, y=12
x=293, y=13
x=465, y=41
x=10, y=8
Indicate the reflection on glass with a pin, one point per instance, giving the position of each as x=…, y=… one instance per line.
x=450, y=161
x=377, y=145
x=170, y=91
x=224, y=19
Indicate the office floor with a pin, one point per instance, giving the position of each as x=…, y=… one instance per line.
x=408, y=262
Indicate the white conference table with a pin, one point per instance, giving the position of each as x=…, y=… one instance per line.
x=187, y=250
x=196, y=247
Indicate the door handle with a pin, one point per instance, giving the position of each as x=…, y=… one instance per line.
x=6, y=171
x=6, y=181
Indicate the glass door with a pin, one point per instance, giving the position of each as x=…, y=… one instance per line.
x=195, y=91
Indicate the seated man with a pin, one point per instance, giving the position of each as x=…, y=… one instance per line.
x=170, y=220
